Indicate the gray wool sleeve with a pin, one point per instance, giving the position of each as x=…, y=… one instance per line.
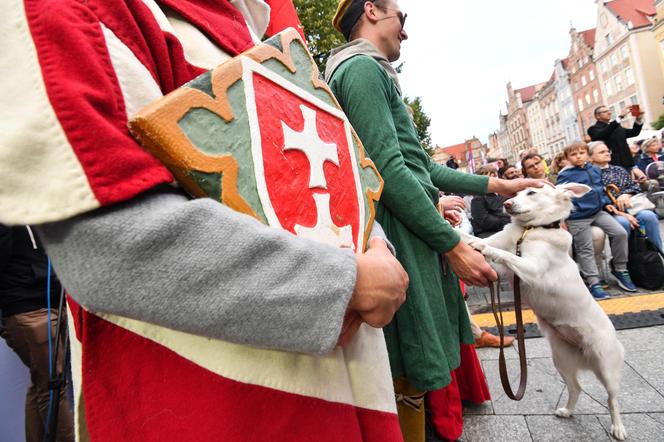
x=199, y=267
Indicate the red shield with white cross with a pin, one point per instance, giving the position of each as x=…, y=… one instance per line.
x=306, y=171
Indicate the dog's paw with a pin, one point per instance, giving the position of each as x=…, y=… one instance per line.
x=478, y=245
x=618, y=431
x=491, y=253
x=563, y=412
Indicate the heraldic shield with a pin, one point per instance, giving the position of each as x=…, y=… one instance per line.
x=262, y=134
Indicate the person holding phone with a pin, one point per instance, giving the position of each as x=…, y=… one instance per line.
x=614, y=135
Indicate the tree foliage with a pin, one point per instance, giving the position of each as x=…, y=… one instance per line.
x=316, y=18
x=422, y=122
x=659, y=124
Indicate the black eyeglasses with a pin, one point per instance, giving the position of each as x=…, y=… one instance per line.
x=400, y=15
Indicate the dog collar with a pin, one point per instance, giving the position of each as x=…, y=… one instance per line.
x=553, y=225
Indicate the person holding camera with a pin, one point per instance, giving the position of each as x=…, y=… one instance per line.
x=614, y=135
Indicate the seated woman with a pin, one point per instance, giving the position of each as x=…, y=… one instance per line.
x=488, y=216
x=600, y=155
x=650, y=148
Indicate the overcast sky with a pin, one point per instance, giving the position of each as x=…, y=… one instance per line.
x=460, y=55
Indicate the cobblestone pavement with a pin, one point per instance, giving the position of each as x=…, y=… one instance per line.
x=531, y=419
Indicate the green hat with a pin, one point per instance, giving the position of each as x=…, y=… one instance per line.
x=348, y=13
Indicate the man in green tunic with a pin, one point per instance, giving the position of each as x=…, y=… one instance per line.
x=423, y=339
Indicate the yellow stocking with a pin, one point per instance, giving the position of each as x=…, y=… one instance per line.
x=410, y=406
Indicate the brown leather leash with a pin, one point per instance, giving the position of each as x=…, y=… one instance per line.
x=498, y=315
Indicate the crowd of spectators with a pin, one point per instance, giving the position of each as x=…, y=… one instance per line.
x=606, y=211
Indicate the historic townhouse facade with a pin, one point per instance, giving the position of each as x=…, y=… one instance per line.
x=568, y=115
x=548, y=101
x=584, y=81
x=517, y=118
x=658, y=32
x=626, y=55
x=536, y=124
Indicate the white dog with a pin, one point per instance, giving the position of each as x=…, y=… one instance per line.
x=579, y=332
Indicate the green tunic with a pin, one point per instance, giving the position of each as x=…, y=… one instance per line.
x=423, y=339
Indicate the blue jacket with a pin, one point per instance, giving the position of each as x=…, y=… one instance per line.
x=593, y=201
x=645, y=160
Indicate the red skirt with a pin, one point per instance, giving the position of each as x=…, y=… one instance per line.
x=468, y=384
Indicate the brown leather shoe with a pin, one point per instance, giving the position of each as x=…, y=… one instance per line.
x=489, y=340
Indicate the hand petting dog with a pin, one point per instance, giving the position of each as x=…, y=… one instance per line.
x=509, y=188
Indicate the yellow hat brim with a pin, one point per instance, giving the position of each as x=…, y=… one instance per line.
x=341, y=10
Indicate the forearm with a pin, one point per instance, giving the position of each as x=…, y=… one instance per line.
x=635, y=130
x=497, y=185
x=202, y=268
x=405, y=198
x=451, y=180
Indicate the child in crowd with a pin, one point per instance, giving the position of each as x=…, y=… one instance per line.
x=589, y=210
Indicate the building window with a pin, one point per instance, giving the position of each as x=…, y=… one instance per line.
x=595, y=96
x=580, y=63
x=583, y=80
x=603, y=66
x=608, y=39
x=624, y=52
x=588, y=99
x=617, y=79
x=580, y=103
x=592, y=75
x=633, y=99
x=614, y=58
x=629, y=76
x=621, y=105
x=608, y=85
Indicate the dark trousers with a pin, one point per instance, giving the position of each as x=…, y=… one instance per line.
x=27, y=335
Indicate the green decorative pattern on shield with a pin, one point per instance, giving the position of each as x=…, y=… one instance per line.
x=209, y=182
x=213, y=136
x=203, y=83
x=302, y=77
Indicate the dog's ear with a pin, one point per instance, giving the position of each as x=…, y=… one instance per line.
x=575, y=190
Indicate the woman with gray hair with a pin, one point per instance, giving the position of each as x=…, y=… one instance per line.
x=651, y=153
x=600, y=156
